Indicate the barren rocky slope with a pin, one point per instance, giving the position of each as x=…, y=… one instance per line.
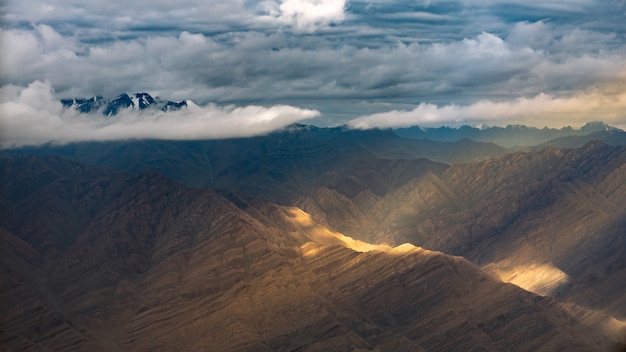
x=552, y=221
x=95, y=260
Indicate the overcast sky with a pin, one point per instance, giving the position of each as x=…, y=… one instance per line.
x=264, y=64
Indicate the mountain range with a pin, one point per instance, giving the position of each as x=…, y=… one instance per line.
x=315, y=239
x=511, y=135
x=276, y=167
x=111, y=107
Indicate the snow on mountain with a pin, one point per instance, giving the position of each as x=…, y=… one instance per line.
x=111, y=107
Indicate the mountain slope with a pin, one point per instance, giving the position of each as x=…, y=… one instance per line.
x=279, y=167
x=147, y=264
x=551, y=221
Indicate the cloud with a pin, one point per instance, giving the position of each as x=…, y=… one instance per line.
x=307, y=15
x=113, y=18
x=324, y=55
x=563, y=5
x=33, y=116
x=540, y=111
x=109, y=19
x=544, y=36
x=274, y=68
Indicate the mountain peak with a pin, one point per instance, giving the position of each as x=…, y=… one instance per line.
x=596, y=126
x=142, y=100
x=121, y=102
x=110, y=107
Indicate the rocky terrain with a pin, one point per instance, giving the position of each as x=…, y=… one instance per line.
x=550, y=221
x=312, y=240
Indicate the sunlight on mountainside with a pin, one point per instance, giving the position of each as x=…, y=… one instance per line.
x=405, y=248
x=324, y=235
x=543, y=279
x=311, y=249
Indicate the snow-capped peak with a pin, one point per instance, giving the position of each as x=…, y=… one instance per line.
x=110, y=107
x=192, y=106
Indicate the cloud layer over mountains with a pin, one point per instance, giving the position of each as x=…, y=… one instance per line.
x=33, y=116
x=365, y=63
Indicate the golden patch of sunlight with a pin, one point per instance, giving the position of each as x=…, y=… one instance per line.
x=311, y=249
x=540, y=278
x=323, y=235
x=405, y=248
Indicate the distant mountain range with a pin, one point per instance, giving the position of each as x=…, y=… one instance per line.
x=276, y=167
x=300, y=156
x=110, y=107
x=512, y=136
x=509, y=136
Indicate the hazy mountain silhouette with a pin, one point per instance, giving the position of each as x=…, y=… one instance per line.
x=278, y=167
x=509, y=136
x=610, y=137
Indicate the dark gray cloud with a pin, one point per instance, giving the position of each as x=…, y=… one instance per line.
x=350, y=60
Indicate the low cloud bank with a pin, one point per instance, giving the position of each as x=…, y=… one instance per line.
x=34, y=116
x=540, y=111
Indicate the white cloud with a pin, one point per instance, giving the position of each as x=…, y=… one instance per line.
x=537, y=35
x=540, y=111
x=308, y=15
x=360, y=62
x=33, y=116
x=114, y=17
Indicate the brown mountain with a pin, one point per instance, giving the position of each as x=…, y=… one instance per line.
x=550, y=221
x=97, y=260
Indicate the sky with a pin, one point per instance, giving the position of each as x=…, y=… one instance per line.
x=254, y=66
